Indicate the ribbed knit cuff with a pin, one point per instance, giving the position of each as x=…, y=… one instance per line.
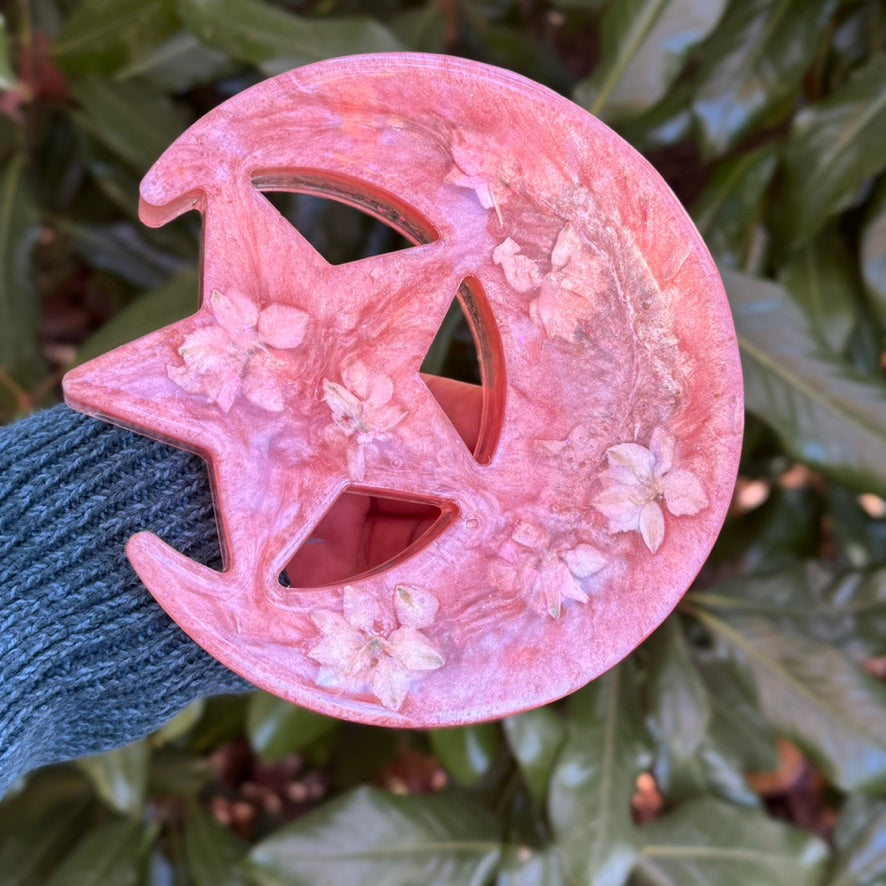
x=88, y=660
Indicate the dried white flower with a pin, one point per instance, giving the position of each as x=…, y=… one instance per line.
x=637, y=479
x=360, y=646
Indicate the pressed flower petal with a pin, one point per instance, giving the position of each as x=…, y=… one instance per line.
x=260, y=384
x=662, y=448
x=584, y=560
x=637, y=458
x=362, y=611
x=412, y=649
x=618, y=504
x=567, y=246
x=573, y=590
x=521, y=272
x=282, y=326
x=358, y=379
x=415, y=607
x=340, y=643
x=683, y=493
x=652, y=526
x=390, y=683
x=235, y=312
x=345, y=407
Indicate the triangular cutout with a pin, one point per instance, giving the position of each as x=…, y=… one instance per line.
x=362, y=533
x=468, y=349
x=340, y=233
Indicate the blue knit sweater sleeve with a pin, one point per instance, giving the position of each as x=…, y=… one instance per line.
x=88, y=660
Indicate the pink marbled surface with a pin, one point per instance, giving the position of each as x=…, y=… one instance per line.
x=602, y=322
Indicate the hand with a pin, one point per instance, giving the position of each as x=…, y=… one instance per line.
x=361, y=531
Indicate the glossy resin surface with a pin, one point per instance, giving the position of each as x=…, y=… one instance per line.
x=612, y=406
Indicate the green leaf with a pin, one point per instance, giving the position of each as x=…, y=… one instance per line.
x=422, y=29
x=535, y=739
x=102, y=35
x=40, y=824
x=834, y=147
x=112, y=854
x=172, y=302
x=132, y=120
x=183, y=722
x=275, y=40
x=589, y=804
x=860, y=859
x=529, y=866
x=739, y=731
x=845, y=609
x=822, y=279
x=276, y=727
x=123, y=249
x=120, y=777
x=643, y=45
x=873, y=251
x=179, y=64
x=468, y=751
x=753, y=63
x=368, y=836
x=19, y=305
x=814, y=696
x=211, y=851
x=707, y=841
x=825, y=414
x=676, y=696
x=687, y=762
x=7, y=74
x=729, y=210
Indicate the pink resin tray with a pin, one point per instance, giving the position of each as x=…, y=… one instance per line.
x=611, y=418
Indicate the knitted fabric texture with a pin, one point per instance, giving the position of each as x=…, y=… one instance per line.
x=88, y=660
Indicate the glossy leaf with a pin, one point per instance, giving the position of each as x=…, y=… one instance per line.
x=133, y=121
x=211, y=851
x=729, y=210
x=834, y=147
x=102, y=35
x=842, y=609
x=753, y=63
x=873, y=251
x=825, y=414
x=275, y=40
x=739, y=730
x=814, y=696
x=589, y=803
x=112, y=853
x=643, y=45
x=860, y=836
x=535, y=739
x=19, y=317
x=821, y=278
x=676, y=696
x=711, y=842
x=368, y=836
x=276, y=727
x=687, y=762
x=468, y=751
x=120, y=777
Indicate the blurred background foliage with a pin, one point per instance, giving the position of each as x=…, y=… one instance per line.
x=745, y=742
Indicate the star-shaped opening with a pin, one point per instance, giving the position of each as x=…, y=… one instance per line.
x=364, y=532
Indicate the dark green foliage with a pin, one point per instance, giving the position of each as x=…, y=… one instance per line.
x=768, y=118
